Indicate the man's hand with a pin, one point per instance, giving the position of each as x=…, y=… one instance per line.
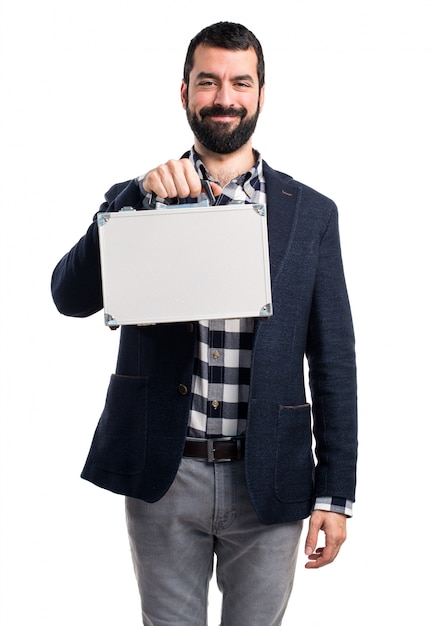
x=175, y=179
x=334, y=527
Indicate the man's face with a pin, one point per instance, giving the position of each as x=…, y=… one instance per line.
x=223, y=99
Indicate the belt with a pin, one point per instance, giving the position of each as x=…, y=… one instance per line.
x=216, y=450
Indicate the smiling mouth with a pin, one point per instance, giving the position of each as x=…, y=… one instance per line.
x=222, y=115
x=223, y=118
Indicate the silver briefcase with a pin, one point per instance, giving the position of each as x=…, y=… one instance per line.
x=184, y=263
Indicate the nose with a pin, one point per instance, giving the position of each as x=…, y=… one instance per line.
x=223, y=96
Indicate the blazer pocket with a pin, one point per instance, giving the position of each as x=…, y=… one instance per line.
x=294, y=471
x=120, y=438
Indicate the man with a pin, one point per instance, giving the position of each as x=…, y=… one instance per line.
x=179, y=385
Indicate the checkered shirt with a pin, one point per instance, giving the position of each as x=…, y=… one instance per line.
x=220, y=385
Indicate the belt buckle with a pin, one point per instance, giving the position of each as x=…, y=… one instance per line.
x=211, y=450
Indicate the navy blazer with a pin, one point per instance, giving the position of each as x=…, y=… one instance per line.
x=138, y=443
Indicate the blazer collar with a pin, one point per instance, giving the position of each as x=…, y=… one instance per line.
x=283, y=198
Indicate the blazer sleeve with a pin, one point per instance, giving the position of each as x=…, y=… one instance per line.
x=332, y=372
x=76, y=280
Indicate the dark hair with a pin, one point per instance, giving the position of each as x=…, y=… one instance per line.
x=229, y=36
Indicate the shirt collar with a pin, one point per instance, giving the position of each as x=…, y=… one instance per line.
x=244, y=180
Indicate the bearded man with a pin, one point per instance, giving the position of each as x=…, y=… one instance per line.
x=237, y=384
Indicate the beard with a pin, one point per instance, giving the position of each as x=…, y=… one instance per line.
x=216, y=136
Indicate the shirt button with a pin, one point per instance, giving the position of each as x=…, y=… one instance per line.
x=215, y=404
x=216, y=354
x=183, y=390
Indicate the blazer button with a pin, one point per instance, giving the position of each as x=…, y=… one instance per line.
x=190, y=327
x=183, y=390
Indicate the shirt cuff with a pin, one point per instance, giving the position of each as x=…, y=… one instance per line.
x=335, y=505
x=146, y=196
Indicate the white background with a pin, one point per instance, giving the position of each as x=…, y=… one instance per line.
x=90, y=97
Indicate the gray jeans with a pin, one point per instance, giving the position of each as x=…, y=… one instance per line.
x=207, y=511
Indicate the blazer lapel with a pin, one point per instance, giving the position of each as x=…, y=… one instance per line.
x=283, y=196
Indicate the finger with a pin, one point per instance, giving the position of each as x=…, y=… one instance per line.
x=322, y=557
x=316, y=560
x=216, y=189
x=176, y=178
x=160, y=182
x=312, y=538
x=185, y=178
x=315, y=556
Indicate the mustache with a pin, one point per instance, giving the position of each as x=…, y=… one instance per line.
x=223, y=112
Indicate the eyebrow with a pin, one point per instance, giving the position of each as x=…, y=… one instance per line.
x=202, y=75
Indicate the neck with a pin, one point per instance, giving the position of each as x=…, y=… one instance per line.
x=225, y=167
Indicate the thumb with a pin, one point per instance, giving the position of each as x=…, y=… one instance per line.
x=312, y=537
x=216, y=189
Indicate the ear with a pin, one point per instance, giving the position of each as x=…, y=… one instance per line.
x=261, y=98
x=183, y=94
